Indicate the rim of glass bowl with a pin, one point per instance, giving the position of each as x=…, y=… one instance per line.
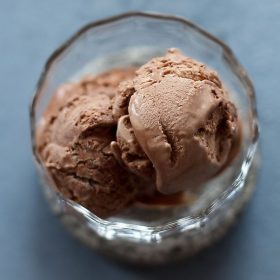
x=113, y=229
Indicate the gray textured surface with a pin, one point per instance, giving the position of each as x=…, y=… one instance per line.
x=33, y=243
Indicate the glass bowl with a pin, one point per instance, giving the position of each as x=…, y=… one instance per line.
x=153, y=235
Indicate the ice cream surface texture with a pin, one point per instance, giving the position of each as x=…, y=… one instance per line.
x=73, y=141
x=109, y=139
x=182, y=118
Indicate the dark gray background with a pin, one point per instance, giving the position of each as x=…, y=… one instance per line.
x=33, y=244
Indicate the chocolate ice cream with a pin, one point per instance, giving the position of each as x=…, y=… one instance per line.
x=180, y=115
x=73, y=141
x=111, y=139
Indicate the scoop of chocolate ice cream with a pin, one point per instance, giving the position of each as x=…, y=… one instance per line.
x=178, y=115
x=74, y=139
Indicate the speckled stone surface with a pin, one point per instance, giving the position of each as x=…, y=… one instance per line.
x=34, y=245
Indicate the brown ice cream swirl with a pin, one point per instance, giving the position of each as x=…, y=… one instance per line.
x=182, y=119
x=73, y=141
